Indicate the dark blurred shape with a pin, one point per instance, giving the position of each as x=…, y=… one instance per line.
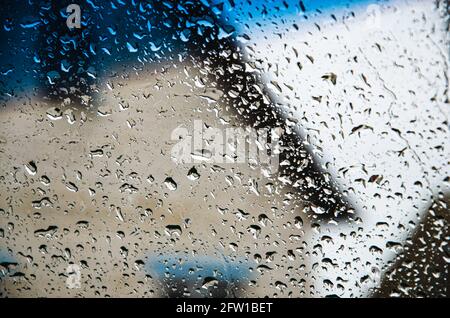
x=245, y=96
x=64, y=53
x=422, y=270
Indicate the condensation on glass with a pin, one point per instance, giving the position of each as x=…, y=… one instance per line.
x=224, y=149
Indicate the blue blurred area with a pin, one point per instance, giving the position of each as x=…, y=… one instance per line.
x=245, y=12
x=193, y=269
x=37, y=48
x=5, y=261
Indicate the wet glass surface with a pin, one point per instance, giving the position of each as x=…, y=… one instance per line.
x=224, y=148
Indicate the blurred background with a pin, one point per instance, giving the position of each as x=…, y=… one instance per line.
x=94, y=204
